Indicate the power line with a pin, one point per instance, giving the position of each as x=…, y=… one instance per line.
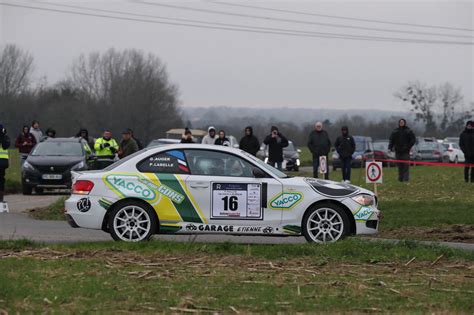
x=225, y=24
x=345, y=17
x=269, y=18
x=244, y=28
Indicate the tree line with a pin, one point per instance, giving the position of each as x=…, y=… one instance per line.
x=131, y=89
x=113, y=90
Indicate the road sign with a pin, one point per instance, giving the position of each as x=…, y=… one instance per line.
x=373, y=172
x=323, y=164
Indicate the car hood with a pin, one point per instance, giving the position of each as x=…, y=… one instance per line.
x=54, y=160
x=332, y=188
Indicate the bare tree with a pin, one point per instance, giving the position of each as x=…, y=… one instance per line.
x=450, y=98
x=129, y=89
x=16, y=67
x=422, y=100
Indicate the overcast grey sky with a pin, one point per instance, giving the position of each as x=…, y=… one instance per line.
x=217, y=67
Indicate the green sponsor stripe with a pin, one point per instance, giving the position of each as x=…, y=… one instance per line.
x=292, y=229
x=169, y=229
x=185, y=208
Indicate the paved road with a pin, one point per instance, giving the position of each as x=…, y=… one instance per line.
x=17, y=225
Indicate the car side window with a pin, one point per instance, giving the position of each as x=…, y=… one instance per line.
x=172, y=162
x=213, y=163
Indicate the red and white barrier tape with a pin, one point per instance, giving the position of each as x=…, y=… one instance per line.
x=462, y=164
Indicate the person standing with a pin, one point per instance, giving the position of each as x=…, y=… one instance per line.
x=222, y=139
x=466, y=142
x=25, y=143
x=106, y=146
x=128, y=145
x=401, y=141
x=210, y=138
x=276, y=142
x=187, y=137
x=4, y=163
x=319, y=145
x=249, y=143
x=36, y=131
x=50, y=133
x=345, y=147
x=139, y=143
x=84, y=134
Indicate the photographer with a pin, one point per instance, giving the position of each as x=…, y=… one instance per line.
x=276, y=142
x=4, y=145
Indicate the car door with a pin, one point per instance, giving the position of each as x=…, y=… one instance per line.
x=166, y=172
x=223, y=186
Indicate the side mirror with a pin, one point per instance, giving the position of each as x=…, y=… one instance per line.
x=258, y=173
x=298, y=150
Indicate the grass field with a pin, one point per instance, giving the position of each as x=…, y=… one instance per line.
x=350, y=276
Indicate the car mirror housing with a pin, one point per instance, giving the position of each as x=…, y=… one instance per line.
x=258, y=173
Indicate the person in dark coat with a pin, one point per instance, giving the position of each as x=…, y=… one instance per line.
x=402, y=140
x=128, y=145
x=276, y=142
x=187, y=137
x=319, y=145
x=139, y=143
x=84, y=134
x=466, y=142
x=345, y=147
x=25, y=143
x=222, y=139
x=249, y=143
x=4, y=145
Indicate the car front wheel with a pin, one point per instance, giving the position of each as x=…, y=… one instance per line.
x=325, y=223
x=132, y=221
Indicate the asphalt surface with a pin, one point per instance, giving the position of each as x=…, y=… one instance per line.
x=18, y=225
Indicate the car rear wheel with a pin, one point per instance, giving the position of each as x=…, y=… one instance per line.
x=132, y=221
x=325, y=223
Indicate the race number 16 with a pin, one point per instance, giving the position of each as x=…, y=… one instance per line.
x=231, y=203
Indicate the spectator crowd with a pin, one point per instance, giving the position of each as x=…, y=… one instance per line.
x=402, y=139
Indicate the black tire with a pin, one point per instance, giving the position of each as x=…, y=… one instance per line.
x=26, y=189
x=310, y=228
x=296, y=168
x=132, y=226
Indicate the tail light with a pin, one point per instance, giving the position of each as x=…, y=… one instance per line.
x=82, y=187
x=436, y=153
x=450, y=150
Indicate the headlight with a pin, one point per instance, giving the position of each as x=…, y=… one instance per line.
x=28, y=166
x=297, y=162
x=79, y=165
x=364, y=200
x=266, y=160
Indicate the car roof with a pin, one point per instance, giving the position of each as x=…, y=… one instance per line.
x=62, y=140
x=181, y=146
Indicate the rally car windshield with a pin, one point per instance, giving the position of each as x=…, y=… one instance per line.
x=266, y=166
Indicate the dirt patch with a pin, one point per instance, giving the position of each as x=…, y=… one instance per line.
x=462, y=233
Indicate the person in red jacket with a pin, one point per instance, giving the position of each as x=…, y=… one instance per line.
x=25, y=142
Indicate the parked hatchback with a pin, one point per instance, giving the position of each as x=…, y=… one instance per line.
x=50, y=163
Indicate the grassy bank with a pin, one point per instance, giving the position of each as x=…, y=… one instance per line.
x=54, y=211
x=190, y=277
x=13, y=174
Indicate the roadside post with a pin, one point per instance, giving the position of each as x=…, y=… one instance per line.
x=374, y=174
x=3, y=207
x=323, y=165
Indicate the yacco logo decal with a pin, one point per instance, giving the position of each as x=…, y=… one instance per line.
x=164, y=190
x=130, y=186
x=286, y=200
x=363, y=214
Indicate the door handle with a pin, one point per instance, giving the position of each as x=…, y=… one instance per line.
x=199, y=185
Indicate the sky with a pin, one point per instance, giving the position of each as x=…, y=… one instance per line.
x=229, y=68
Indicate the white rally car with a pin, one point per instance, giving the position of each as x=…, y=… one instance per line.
x=194, y=189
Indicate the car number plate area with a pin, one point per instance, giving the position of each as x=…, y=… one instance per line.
x=52, y=176
x=237, y=201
